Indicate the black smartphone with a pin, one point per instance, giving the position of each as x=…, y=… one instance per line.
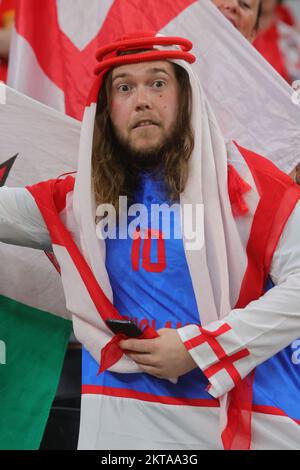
x=127, y=327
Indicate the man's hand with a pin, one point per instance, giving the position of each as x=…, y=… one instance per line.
x=165, y=357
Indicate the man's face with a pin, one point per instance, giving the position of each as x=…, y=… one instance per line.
x=242, y=14
x=144, y=104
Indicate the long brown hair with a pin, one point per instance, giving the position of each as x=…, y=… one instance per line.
x=112, y=177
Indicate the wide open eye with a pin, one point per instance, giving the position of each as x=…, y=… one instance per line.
x=123, y=88
x=158, y=84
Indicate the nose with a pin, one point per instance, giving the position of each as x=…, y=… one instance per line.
x=143, y=100
x=231, y=5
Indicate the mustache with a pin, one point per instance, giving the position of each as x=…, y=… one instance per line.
x=139, y=122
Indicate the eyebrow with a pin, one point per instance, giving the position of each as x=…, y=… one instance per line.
x=149, y=71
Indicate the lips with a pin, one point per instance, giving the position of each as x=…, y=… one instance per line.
x=232, y=21
x=144, y=123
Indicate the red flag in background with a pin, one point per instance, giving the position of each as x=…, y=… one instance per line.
x=56, y=42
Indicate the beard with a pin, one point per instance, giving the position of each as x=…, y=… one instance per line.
x=146, y=159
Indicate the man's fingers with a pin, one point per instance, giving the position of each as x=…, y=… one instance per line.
x=137, y=345
x=142, y=359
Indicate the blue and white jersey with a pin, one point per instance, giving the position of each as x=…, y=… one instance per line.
x=163, y=299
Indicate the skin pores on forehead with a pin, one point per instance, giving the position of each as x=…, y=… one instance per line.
x=144, y=103
x=242, y=14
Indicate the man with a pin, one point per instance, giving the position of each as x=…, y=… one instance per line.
x=151, y=137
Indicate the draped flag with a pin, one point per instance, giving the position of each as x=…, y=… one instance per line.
x=36, y=142
x=53, y=57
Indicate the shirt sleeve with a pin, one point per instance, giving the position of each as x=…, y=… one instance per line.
x=21, y=222
x=229, y=349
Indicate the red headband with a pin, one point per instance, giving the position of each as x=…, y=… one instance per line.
x=110, y=56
